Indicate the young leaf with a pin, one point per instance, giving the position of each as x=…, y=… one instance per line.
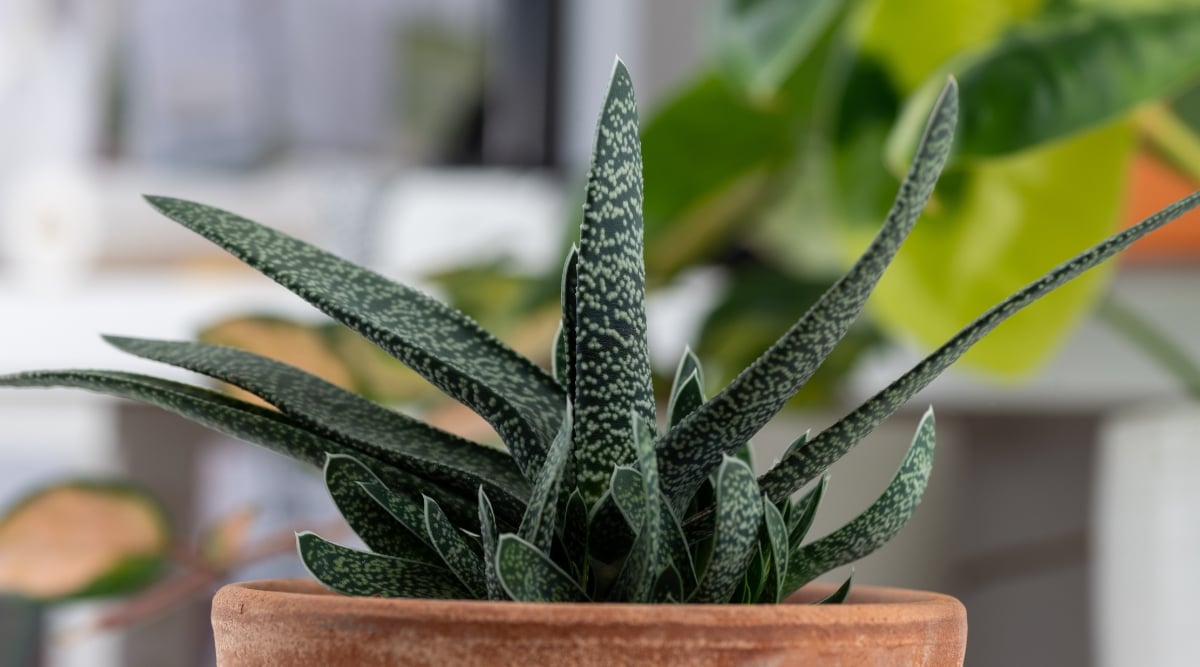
x=878, y=523
x=778, y=548
x=839, y=596
x=353, y=572
x=452, y=546
x=642, y=506
x=575, y=534
x=612, y=360
x=690, y=451
x=537, y=526
x=804, y=510
x=520, y=400
x=488, y=538
x=739, y=513
x=377, y=528
x=528, y=574
x=821, y=452
x=344, y=416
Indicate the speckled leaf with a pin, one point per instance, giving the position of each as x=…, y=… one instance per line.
x=675, y=550
x=687, y=390
x=564, y=341
x=804, y=510
x=878, y=523
x=519, y=399
x=612, y=364
x=454, y=549
x=346, y=417
x=377, y=528
x=839, y=596
x=776, y=531
x=575, y=534
x=402, y=507
x=642, y=507
x=358, y=573
x=690, y=451
x=739, y=513
x=528, y=574
x=488, y=539
x=669, y=585
x=538, y=524
x=831, y=444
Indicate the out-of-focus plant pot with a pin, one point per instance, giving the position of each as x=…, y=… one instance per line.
x=296, y=622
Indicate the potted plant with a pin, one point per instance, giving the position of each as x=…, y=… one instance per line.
x=599, y=523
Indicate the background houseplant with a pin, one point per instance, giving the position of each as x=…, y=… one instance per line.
x=626, y=533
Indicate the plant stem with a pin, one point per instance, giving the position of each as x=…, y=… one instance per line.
x=1152, y=342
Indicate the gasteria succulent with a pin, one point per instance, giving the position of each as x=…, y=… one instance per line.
x=591, y=501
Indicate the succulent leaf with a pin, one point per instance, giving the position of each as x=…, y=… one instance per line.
x=519, y=399
x=454, y=549
x=806, y=463
x=839, y=596
x=778, y=548
x=540, y=520
x=352, y=572
x=642, y=506
x=804, y=510
x=344, y=416
x=488, y=539
x=739, y=513
x=374, y=525
x=688, y=396
x=690, y=451
x=528, y=574
x=575, y=535
x=612, y=364
x=878, y=523
x=565, y=342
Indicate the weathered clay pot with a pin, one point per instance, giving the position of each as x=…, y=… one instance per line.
x=296, y=622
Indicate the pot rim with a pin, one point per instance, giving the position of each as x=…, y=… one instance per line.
x=866, y=604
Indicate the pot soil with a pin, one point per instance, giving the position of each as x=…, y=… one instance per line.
x=297, y=622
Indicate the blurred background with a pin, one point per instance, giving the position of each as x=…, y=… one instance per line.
x=443, y=142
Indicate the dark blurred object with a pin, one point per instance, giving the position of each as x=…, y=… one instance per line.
x=19, y=633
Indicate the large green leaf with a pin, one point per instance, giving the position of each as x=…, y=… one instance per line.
x=805, y=463
x=519, y=399
x=353, y=572
x=690, y=451
x=739, y=515
x=1053, y=79
x=760, y=42
x=612, y=361
x=346, y=417
x=528, y=574
x=877, y=524
x=374, y=525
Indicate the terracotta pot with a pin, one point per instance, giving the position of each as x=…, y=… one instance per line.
x=296, y=622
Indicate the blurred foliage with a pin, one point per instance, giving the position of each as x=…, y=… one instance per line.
x=796, y=164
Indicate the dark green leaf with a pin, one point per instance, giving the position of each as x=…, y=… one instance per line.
x=346, y=417
x=685, y=400
x=488, y=538
x=454, y=549
x=612, y=365
x=739, y=513
x=575, y=534
x=1053, y=79
x=777, y=543
x=565, y=342
x=642, y=507
x=838, y=596
x=520, y=400
x=878, y=523
x=538, y=524
x=804, y=510
x=821, y=452
x=358, y=573
x=690, y=451
x=377, y=528
x=528, y=574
